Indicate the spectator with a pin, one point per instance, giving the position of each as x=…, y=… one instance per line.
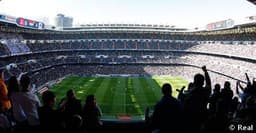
x=246, y=115
x=218, y=121
x=28, y=104
x=13, y=85
x=49, y=118
x=4, y=122
x=167, y=115
x=182, y=95
x=235, y=104
x=196, y=102
x=70, y=106
x=91, y=114
x=76, y=124
x=18, y=113
x=214, y=98
x=4, y=99
x=227, y=94
x=245, y=92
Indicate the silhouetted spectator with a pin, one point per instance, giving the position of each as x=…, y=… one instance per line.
x=70, y=106
x=91, y=114
x=246, y=115
x=167, y=115
x=249, y=90
x=182, y=95
x=244, y=92
x=217, y=122
x=4, y=122
x=227, y=94
x=49, y=118
x=76, y=124
x=13, y=85
x=214, y=98
x=235, y=104
x=195, y=104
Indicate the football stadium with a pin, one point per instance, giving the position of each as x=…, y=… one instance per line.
x=51, y=73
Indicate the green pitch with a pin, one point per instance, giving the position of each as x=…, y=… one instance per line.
x=119, y=95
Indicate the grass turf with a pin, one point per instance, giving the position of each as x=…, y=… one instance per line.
x=119, y=95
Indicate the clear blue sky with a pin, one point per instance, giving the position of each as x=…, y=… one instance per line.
x=181, y=13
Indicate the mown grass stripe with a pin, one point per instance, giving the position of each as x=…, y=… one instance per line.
x=130, y=98
x=101, y=90
x=118, y=106
x=150, y=95
x=94, y=85
x=81, y=89
x=139, y=94
x=107, y=103
x=155, y=87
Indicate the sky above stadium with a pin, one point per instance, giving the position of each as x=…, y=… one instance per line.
x=181, y=13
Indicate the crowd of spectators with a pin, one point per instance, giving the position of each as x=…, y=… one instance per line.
x=235, y=34
x=14, y=44
x=225, y=47
x=230, y=67
x=232, y=41
x=102, y=44
x=190, y=112
x=4, y=50
x=198, y=109
x=224, y=65
x=242, y=50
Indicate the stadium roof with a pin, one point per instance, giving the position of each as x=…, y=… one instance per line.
x=252, y=1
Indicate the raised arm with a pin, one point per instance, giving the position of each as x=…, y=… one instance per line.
x=237, y=87
x=20, y=75
x=181, y=90
x=207, y=78
x=181, y=94
x=248, y=80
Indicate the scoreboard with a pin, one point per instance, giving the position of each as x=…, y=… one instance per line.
x=27, y=23
x=220, y=25
x=22, y=22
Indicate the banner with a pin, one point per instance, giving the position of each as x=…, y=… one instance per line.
x=220, y=25
x=8, y=19
x=27, y=23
